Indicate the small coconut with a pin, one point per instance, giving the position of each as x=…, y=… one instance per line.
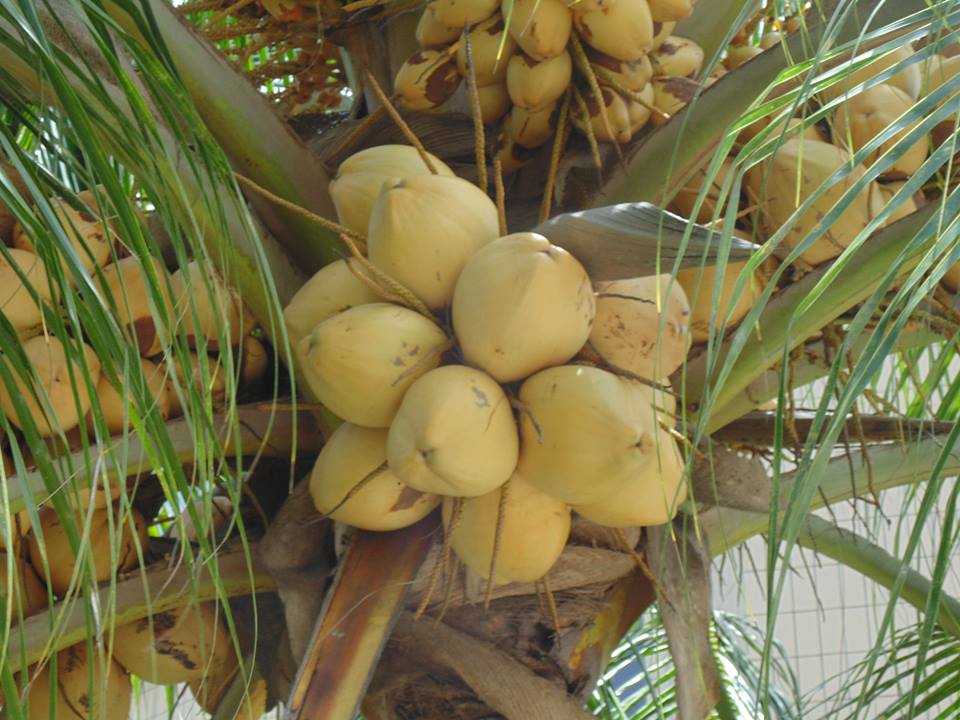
x=26, y=592
x=677, y=57
x=52, y=384
x=670, y=95
x=699, y=288
x=113, y=404
x=626, y=332
x=641, y=109
x=427, y=79
x=332, y=290
x=512, y=155
x=533, y=531
x=623, y=30
x=494, y=102
x=215, y=381
x=904, y=206
x=770, y=39
x=661, y=31
x=521, y=304
x=685, y=199
x=621, y=74
x=909, y=79
x=671, y=10
x=103, y=541
x=214, y=520
x=84, y=692
x=361, y=362
x=454, y=434
x=391, y=161
x=651, y=497
x=17, y=301
x=177, y=646
x=85, y=232
x=864, y=116
x=354, y=460
x=125, y=286
x=799, y=168
x=207, y=306
x=584, y=432
x=541, y=27
x=431, y=33
x=532, y=128
x=534, y=85
x=460, y=13
x=490, y=52
x=739, y=54
x=254, y=362
x=421, y=248
x=617, y=108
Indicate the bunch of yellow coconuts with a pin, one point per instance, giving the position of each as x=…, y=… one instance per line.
x=481, y=399
x=37, y=564
x=618, y=57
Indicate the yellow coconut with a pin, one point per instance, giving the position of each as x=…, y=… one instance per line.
x=454, y=434
x=541, y=27
x=17, y=300
x=533, y=84
x=126, y=290
x=640, y=112
x=460, y=13
x=671, y=10
x=909, y=79
x=650, y=497
x=799, y=168
x=494, y=102
x=615, y=127
x=207, y=306
x=685, y=199
x=26, y=592
x=511, y=154
x=532, y=128
x=332, y=290
x=422, y=247
x=623, y=30
x=254, y=361
x=361, y=362
x=431, y=33
x=490, y=51
x=864, y=116
x=215, y=381
x=113, y=404
x=84, y=691
x=85, y=232
x=353, y=463
x=904, y=206
x=677, y=57
x=521, y=304
x=670, y=95
x=108, y=533
x=52, y=384
x=739, y=54
x=584, y=432
x=426, y=79
x=699, y=288
x=533, y=531
x=661, y=31
x=621, y=74
x=214, y=519
x=175, y=646
x=626, y=332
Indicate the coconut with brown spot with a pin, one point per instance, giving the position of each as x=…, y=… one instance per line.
x=623, y=30
x=511, y=154
x=92, y=688
x=427, y=79
x=460, y=13
x=631, y=75
x=670, y=95
x=677, y=57
x=129, y=292
x=491, y=48
x=532, y=128
x=613, y=124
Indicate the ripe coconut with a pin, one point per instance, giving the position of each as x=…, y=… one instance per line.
x=112, y=545
x=332, y=290
x=677, y=57
x=533, y=531
x=512, y=155
x=361, y=362
x=454, y=434
x=26, y=591
x=214, y=381
x=631, y=75
x=208, y=307
x=521, y=304
x=490, y=51
x=617, y=111
x=52, y=384
x=909, y=79
x=361, y=177
x=83, y=690
x=685, y=199
x=798, y=169
x=739, y=54
x=869, y=113
x=623, y=30
x=460, y=13
x=699, y=288
x=17, y=300
x=640, y=112
x=431, y=33
x=661, y=31
x=254, y=361
x=670, y=95
x=425, y=228
x=532, y=128
x=354, y=463
x=541, y=27
x=494, y=102
x=177, y=646
x=535, y=85
x=427, y=79
x=626, y=332
x=584, y=432
x=85, y=232
x=113, y=404
x=215, y=519
x=650, y=497
x=125, y=286
x=904, y=206
x=671, y=10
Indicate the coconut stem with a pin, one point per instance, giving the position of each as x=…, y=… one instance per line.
x=580, y=57
x=427, y=357
x=388, y=284
x=559, y=143
x=500, y=193
x=497, y=533
x=609, y=78
x=372, y=284
x=552, y=604
x=641, y=564
x=401, y=123
x=477, y=113
x=441, y=564
x=587, y=127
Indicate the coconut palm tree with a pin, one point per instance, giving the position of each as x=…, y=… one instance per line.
x=199, y=141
